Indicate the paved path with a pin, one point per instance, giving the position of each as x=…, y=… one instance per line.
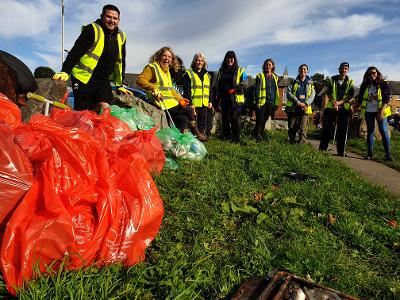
x=376, y=173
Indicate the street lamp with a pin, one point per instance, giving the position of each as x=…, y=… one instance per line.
x=62, y=32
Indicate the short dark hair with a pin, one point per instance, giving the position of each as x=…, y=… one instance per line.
x=344, y=64
x=110, y=7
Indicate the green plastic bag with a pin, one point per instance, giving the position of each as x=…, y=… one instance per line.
x=182, y=145
x=136, y=120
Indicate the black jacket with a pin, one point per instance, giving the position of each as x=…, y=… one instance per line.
x=105, y=65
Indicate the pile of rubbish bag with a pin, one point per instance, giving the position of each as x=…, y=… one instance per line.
x=76, y=189
x=175, y=144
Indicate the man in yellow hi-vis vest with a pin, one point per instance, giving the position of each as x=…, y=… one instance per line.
x=337, y=111
x=97, y=56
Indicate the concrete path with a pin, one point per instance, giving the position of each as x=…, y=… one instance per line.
x=376, y=173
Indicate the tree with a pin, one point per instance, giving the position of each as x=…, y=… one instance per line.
x=43, y=72
x=318, y=77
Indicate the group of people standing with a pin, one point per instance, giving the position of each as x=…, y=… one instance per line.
x=99, y=54
x=373, y=102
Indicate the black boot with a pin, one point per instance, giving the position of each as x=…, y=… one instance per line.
x=201, y=137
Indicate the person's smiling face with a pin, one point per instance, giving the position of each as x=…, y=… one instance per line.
x=166, y=59
x=111, y=19
x=199, y=63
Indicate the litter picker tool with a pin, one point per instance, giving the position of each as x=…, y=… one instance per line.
x=47, y=102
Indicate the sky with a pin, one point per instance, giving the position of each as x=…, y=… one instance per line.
x=318, y=33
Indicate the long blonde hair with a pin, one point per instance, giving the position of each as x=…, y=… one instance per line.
x=196, y=56
x=156, y=57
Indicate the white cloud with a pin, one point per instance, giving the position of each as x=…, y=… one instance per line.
x=23, y=19
x=329, y=29
x=209, y=26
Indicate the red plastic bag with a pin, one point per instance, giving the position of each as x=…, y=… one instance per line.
x=145, y=143
x=103, y=127
x=16, y=175
x=110, y=129
x=87, y=204
x=9, y=112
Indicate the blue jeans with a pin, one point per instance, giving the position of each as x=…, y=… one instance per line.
x=383, y=126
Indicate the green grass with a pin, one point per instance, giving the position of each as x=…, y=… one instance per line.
x=215, y=234
x=359, y=146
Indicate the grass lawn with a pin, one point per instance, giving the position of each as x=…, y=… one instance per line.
x=235, y=215
x=359, y=146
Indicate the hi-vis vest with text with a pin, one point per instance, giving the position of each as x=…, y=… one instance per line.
x=309, y=89
x=350, y=84
x=200, y=90
x=262, y=92
x=88, y=62
x=238, y=74
x=164, y=85
x=386, y=113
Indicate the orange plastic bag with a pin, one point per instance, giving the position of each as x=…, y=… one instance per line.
x=145, y=143
x=87, y=204
x=16, y=175
x=9, y=112
x=122, y=139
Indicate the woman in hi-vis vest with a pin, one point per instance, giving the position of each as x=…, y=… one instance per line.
x=196, y=88
x=374, y=97
x=300, y=95
x=156, y=80
x=230, y=85
x=266, y=98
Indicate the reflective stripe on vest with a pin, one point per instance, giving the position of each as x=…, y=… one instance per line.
x=239, y=98
x=200, y=90
x=309, y=91
x=164, y=85
x=262, y=93
x=350, y=83
x=84, y=69
x=387, y=111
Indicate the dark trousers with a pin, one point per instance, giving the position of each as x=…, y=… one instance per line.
x=297, y=123
x=231, y=125
x=202, y=118
x=332, y=118
x=182, y=116
x=262, y=115
x=210, y=117
x=87, y=96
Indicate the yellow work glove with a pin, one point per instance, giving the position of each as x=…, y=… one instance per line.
x=62, y=76
x=124, y=91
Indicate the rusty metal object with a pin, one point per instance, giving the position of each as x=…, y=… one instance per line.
x=283, y=285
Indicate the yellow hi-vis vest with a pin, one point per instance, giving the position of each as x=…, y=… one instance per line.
x=238, y=74
x=309, y=90
x=386, y=113
x=262, y=92
x=164, y=85
x=200, y=90
x=88, y=62
x=350, y=84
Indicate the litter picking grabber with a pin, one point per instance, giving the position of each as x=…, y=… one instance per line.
x=163, y=107
x=47, y=102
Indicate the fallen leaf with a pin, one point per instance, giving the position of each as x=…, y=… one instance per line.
x=275, y=186
x=393, y=224
x=258, y=196
x=330, y=219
